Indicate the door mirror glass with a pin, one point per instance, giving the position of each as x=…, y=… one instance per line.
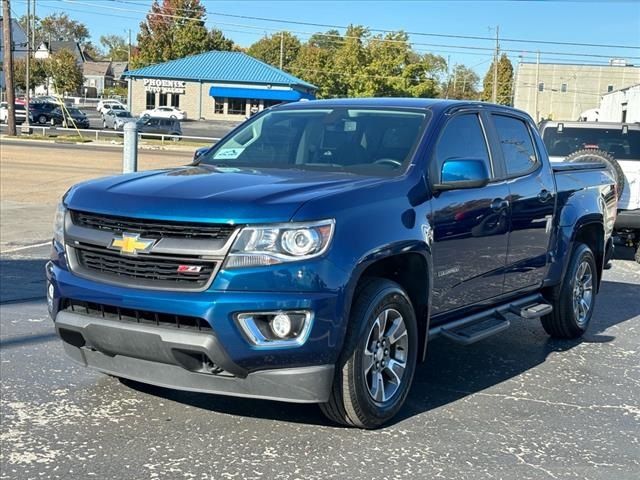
x=463, y=173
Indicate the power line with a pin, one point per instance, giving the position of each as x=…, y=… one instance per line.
x=441, y=35
x=181, y=17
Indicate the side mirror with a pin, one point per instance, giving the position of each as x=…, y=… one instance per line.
x=458, y=173
x=199, y=152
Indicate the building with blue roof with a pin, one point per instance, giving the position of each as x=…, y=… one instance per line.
x=214, y=85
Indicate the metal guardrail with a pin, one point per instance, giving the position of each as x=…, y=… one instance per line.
x=119, y=133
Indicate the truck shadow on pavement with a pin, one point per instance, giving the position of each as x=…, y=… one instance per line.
x=451, y=371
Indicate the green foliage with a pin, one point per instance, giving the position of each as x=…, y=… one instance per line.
x=116, y=47
x=505, y=82
x=37, y=73
x=57, y=26
x=267, y=49
x=65, y=73
x=175, y=29
x=359, y=64
x=462, y=84
x=117, y=91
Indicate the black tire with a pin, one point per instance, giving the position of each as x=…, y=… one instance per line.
x=600, y=156
x=351, y=402
x=565, y=321
x=42, y=119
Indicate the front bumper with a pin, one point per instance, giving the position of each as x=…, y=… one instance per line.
x=628, y=219
x=166, y=358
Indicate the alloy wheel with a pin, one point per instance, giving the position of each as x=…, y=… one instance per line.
x=583, y=292
x=385, y=356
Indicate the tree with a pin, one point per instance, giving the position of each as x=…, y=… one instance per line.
x=65, y=73
x=175, y=29
x=57, y=26
x=217, y=41
x=267, y=49
x=37, y=73
x=115, y=47
x=505, y=82
x=462, y=84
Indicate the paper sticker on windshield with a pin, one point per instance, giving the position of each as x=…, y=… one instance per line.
x=350, y=126
x=228, y=153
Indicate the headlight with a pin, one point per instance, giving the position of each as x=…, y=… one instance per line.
x=58, y=224
x=272, y=244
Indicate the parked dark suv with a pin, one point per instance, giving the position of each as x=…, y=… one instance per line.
x=160, y=126
x=41, y=111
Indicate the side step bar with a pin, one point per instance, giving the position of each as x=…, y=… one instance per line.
x=481, y=325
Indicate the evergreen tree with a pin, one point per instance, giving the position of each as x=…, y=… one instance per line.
x=505, y=82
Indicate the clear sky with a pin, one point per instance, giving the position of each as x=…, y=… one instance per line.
x=596, y=22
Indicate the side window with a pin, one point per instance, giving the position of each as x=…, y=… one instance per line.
x=463, y=138
x=517, y=146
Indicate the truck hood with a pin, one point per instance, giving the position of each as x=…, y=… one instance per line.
x=211, y=194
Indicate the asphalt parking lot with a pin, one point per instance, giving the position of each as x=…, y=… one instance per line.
x=518, y=405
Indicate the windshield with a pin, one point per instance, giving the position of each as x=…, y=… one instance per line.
x=355, y=140
x=623, y=146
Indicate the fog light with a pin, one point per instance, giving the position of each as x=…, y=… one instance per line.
x=276, y=329
x=50, y=293
x=281, y=325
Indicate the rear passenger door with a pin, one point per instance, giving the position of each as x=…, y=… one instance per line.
x=470, y=226
x=532, y=200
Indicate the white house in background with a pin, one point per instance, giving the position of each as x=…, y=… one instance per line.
x=46, y=49
x=20, y=44
x=621, y=105
x=97, y=77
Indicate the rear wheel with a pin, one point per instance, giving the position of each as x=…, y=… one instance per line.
x=42, y=119
x=600, y=156
x=373, y=379
x=573, y=301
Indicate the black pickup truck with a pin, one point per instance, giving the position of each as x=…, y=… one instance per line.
x=311, y=254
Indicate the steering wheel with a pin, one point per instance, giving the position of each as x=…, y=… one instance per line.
x=383, y=161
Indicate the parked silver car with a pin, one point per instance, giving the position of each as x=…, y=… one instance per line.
x=116, y=119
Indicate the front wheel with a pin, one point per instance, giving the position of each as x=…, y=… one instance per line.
x=573, y=301
x=379, y=358
x=42, y=119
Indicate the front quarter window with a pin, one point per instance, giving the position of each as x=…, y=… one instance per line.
x=363, y=141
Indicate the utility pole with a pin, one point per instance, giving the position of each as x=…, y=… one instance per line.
x=446, y=95
x=8, y=68
x=129, y=50
x=494, y=96
x=537, y=87
x=281, y=49
x=26, y=127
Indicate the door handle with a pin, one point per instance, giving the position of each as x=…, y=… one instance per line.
x=544, y=196
x=499, y=204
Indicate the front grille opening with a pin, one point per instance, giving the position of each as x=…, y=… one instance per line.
x=153, y=268
x=152, y=228
x=145, y=317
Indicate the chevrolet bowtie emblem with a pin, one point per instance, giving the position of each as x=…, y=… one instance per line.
x=131, y=244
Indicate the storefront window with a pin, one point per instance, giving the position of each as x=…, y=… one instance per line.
x=151, y=100
x=237, y=106
x=218, y=105
x=175, y=100
x=163, y=99
x=271, y=103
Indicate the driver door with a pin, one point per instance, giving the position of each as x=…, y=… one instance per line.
x=470, y=226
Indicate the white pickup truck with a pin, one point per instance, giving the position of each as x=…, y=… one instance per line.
x=615, y=144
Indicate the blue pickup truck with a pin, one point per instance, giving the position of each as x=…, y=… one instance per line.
x=311, y=254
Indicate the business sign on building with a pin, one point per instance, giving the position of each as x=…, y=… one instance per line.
x=164, y=86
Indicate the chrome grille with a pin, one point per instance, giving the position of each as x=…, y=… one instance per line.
x=152, y=228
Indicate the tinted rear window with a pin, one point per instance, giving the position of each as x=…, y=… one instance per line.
x=622, y=146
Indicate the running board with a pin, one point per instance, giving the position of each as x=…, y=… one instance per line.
x=484, y=324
